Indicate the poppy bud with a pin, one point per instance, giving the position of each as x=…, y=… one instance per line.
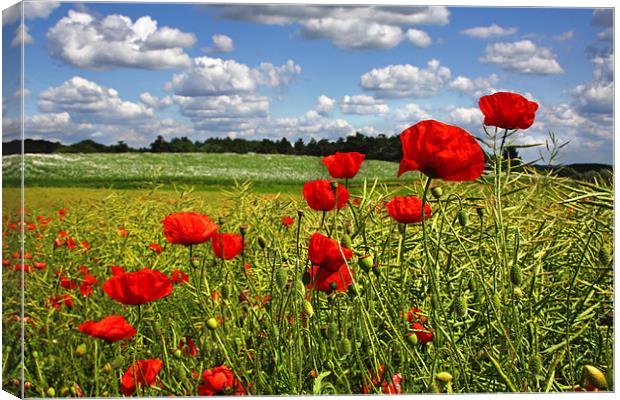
x=346, y=241
x=261, y=242
x=460, y=307
x=81, y=350
x=333, y=285
x=212, y=323
x=51, y=392
x=436, y=192
x=346, y=346
x=306, y=278
x=281, y=277
x=412, y=339
x=496, y=301
x=516, y=276
x=535, y=365
x=444, y=377
x=332, y=330
x=107, y=368
x=178, y=353
x=180, y=372
x=35, y=354
x=366, y=262
x=603, y=256
x=463, y=218
x=308, y=310
x=27, y=385
x=299, y=286
x=593, y=376
x=518, y=292
x=118, y=362
x=64, y=391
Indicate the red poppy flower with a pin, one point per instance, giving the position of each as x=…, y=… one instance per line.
x=116, y=270
x=325, y=252
x=111, y=328
x=85, y=245
x=327, y=280
x=156, y=248
x=6, y=263
x=179, y=277
x=61, y=299
x=387, y=388
x=508, y=110
x=70, y=243
x=440, y=150
x=220, y=381
x=424, y=335
x=231, y=242
x=62, y=211
x=123, y=232
x=31, y=227
x=415, y=314
x=39, y=265
x=83, y=269
x=321, y=197
x=147, y=371
x=86, y=289
x=188, y=347
x=344, y=165
x=89, y=280
x=286, y=221
x=188, y=228
x=407, y=209
x=67, y=283
x=20, y=267
x=138, y=287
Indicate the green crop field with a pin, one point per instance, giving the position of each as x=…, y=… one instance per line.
x=203, y=171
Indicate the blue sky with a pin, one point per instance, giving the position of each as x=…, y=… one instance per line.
x=132, y=71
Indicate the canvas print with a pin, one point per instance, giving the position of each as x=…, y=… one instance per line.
x=298, y=199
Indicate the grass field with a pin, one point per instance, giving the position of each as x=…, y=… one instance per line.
x=269, y=173
x=516, y=293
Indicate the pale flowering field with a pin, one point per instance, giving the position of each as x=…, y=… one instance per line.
x=459, y=277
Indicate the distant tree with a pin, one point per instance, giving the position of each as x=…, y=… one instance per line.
x=160, y=145
x=120, y=147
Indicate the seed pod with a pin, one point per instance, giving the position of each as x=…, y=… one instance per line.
x=346, y=346
x=366, y=262
x=281, y=277
x=460, y=306
x=346, y=241
x=81, y=350
x=412, y=339
x=535, y=365
x=225, y=291
x=332, y=330
x=51, y=392
x=333, y=286
x=593, y=376
x=308, y=310
x=471, y=285
x=516, y=276
x=444, y=377
x=178, y=353
x=261, y=242
x=212, y=323
x=497, y=302
x=603, y=256
x=107, y=368
x=436, y=192
x=463, y=218
x=306, y=278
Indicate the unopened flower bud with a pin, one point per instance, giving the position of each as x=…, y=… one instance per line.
x=593, y=376
x=281, y=277
x=212, y=323
x=308, y=310
x=81, y=350
x=444, y=377
x=463, y=218
x=261, y=242
x=436, y=192
x=51, y=392
x=366, y=262
x=346, y=241
x=516, y=276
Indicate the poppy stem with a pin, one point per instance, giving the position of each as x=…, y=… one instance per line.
x=402, y=263
x=322, y=220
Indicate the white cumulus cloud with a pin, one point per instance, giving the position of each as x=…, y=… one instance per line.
x=363, y=104
x=419, y=38
x=115, y=41
x=324, y=104
x=522, y=57
x=405, y=80
x=221, y=44
x=485, y=32
x=21, y=35
x=32, y=10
